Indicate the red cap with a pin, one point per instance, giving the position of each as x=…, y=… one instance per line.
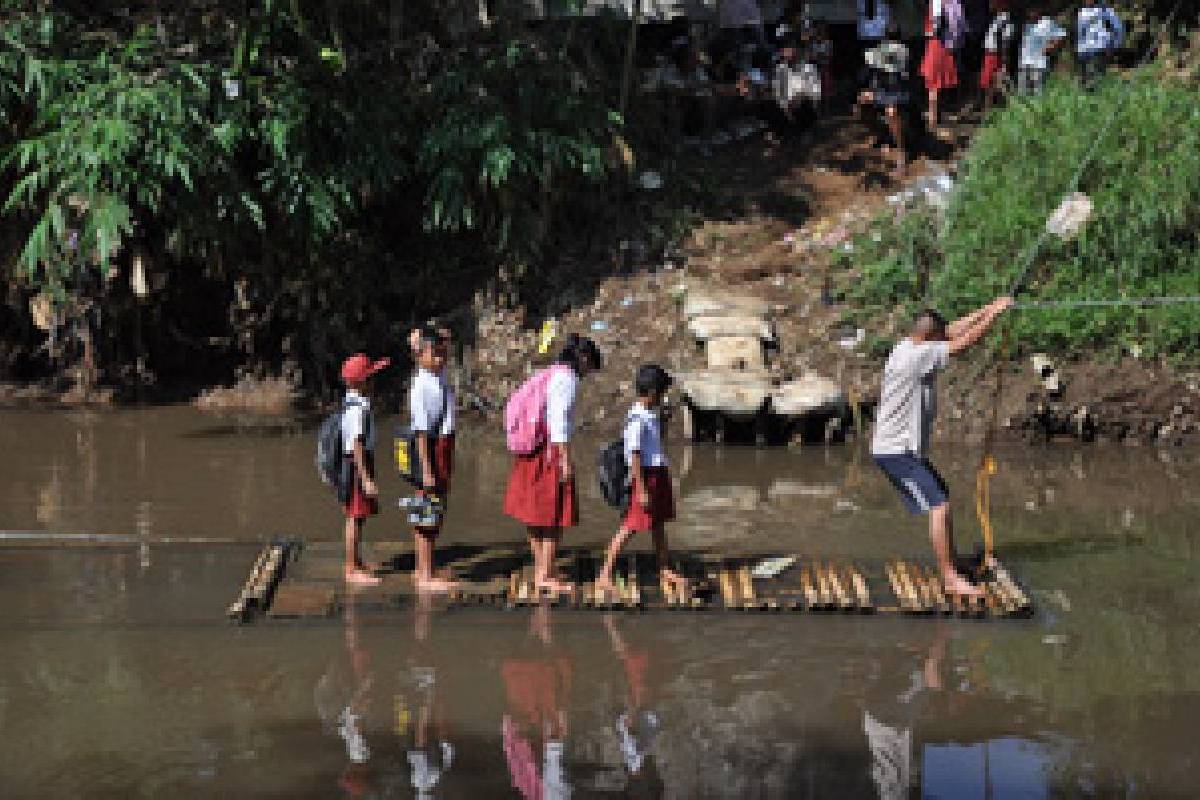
x=358, y=367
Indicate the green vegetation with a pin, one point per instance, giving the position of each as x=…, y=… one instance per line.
x=298, y=180
x=1142, y=240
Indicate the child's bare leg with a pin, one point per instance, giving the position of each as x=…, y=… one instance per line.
x=932, y=114
x=941, y=535
x=552, y=580
x=356, y=572
x=424, y=540
x=664, y=558
x=604, y=579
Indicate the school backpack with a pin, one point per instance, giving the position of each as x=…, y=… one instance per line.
x=408, y=458
x=329, y=448
x=613, y=474
x=525, y=412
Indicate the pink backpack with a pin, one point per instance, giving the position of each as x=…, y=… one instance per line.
x=525, y=412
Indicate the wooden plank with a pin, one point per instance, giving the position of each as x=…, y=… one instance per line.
x=303, y=600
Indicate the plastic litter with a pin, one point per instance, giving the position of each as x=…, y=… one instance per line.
x=599, y=325
x=650, y=181
x=1071, y=215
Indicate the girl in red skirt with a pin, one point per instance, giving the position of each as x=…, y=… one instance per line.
x=652, y=504
x=945, y=28
x=357, y=490
x=541, y=486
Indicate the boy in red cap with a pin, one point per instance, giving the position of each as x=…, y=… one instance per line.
x=359, y=492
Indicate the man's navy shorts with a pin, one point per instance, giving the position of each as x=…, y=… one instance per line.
x=918, y=482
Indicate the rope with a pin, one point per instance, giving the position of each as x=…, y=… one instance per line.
x=987, y=463
x=1130, y=301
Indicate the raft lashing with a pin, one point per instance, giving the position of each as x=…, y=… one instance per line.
x=290, y=580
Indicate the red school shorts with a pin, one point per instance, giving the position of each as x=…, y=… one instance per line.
x=991, y=66
x=358, y=505
x=536, y=496
x=662, y=502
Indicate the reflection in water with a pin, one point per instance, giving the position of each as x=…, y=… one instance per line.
x=534, y=727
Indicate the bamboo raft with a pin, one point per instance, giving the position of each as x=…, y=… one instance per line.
x=289, y=580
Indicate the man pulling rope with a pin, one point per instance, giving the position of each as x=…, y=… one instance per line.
x=907, y=409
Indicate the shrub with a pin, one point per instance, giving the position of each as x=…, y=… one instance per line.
x=1144, y=181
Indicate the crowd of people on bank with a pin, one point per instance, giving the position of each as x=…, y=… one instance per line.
x=968, y=52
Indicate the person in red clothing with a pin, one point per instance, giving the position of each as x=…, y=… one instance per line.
x=945, y=28
x=358, y=492
x=541, y=485
x=652, y=504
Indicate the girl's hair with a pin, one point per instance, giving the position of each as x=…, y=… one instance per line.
x=576, y=350
x=429, y=336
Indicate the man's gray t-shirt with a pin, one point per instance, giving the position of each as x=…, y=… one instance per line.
x=908, y=398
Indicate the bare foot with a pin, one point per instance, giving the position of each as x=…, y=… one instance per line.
x=955, y=584
x=605, y=586
x=675, y=579
x=435, y=584
x=361, y=577
x=555, y=586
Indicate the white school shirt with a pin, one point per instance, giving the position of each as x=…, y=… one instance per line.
x=560, y=404
x=430, y=403
x=356, y=422
x=999, y=33
x=1038, y=37
x=1099, y=30
x=873, y=27
x=643, y=434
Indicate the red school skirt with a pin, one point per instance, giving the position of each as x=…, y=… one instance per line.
x=937, y=67
x=991, y=66
x=358, y=505
x=536, y=497
x=662, y=502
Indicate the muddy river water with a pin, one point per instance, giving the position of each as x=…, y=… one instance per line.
x=121, y=678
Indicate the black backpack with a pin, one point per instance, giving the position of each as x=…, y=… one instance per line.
x=330, y=461
x=613, y=474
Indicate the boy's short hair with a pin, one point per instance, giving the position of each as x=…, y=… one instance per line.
x=429, y=336
x=651, y=379
x=931, y=321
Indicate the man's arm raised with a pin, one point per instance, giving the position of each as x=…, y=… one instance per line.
x=978, y=326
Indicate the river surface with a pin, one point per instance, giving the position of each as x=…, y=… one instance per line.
x=120, y=677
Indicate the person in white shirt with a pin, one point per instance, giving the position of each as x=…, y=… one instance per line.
x=996, y=42
x=904, y=423
x=541, y=486
x=430, y=401
x=1038, y=40
x=358, y=492
x=651, y=501
x=1099, y=34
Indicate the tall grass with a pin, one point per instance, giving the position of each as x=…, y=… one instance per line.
x=1142, y=241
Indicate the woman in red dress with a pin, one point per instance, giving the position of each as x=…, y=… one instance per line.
x=944, y=29
x=541, y=485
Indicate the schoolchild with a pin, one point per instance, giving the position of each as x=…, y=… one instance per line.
x=541, y=486
x=886, y=89
x=359, y=494
x=1099, y=34
x=651, y=503
x=430, y=408
x=945, y=29
x=1037, y=41
x=995, y=43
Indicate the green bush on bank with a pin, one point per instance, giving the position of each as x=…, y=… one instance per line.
x=1144, y=182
